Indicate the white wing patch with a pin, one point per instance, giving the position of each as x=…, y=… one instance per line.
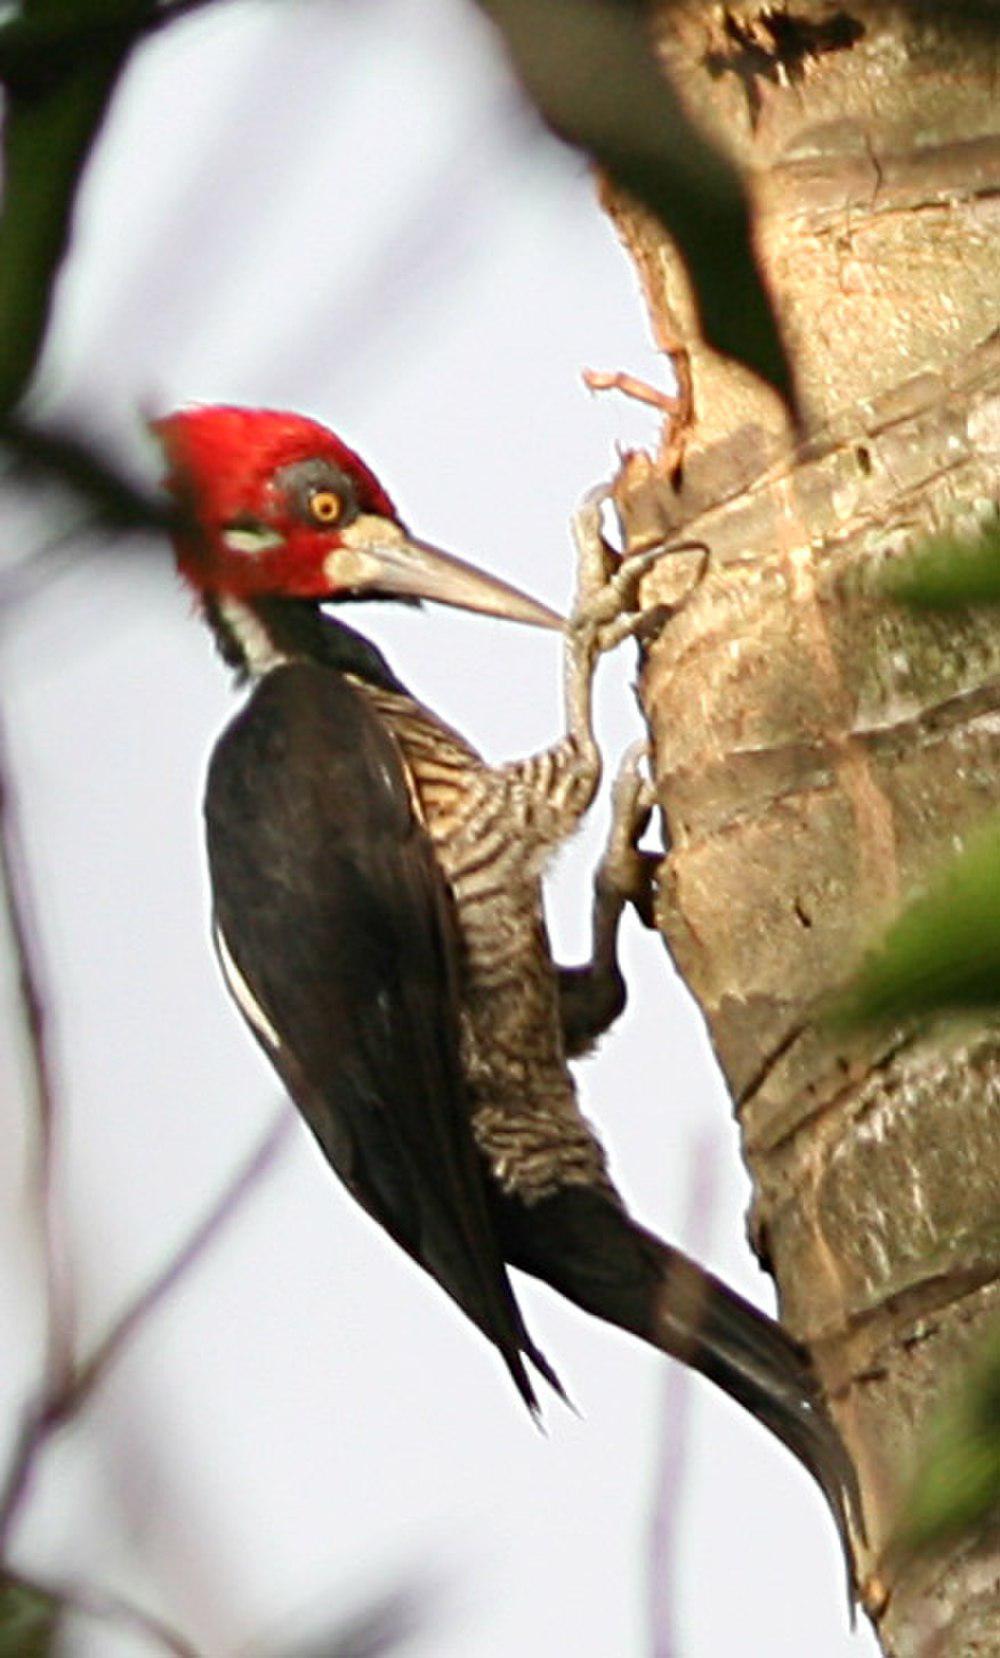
x=242, y=995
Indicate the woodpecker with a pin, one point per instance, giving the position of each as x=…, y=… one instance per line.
x=378, y=915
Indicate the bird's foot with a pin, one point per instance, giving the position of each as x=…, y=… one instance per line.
x=626, y=874
x=606, y=610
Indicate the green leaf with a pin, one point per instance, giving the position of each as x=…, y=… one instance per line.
x=956, y=1489
x=943, y=953
x=29, y=1620
x=948, y=572
x=590, y=68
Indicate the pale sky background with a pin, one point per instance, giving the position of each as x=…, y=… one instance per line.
x=345, y=210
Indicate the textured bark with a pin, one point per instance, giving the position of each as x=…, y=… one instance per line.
x=818, y=750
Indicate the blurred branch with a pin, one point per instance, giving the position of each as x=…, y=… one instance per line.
x=589, y=66
x=61, y=1398
x=47, y=453
x=17, y=903
x=31, y=1613
x=92, y=1370
x=398, y=1617
x=115, y=504
x=667, y=1514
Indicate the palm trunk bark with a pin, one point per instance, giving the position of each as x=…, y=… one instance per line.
x=816, y=749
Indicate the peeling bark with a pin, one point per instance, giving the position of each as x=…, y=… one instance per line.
x=818, y=750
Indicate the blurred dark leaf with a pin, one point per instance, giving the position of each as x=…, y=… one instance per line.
x=59, y=64
x=948, y=573
x=590, y=68
x=957, y=1486
x=29, y=1620
x=943, y=953
x=48, y=40
x=54, y=111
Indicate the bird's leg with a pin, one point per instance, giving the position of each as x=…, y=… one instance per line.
x=592, y=996
x=562, y=782
x=552, y=790
x=596, y=607
x=605, y=613
x=606, y=610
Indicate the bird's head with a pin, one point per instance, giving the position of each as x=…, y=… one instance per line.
x=274, y=505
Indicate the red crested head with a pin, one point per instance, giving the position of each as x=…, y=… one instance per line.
x=269, y=496
x=275, y=506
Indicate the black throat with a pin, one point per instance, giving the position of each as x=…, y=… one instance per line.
x=256, y=635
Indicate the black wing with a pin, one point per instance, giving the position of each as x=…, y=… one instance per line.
x=332, y=909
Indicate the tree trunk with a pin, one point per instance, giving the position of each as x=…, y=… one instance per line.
x=818, y=750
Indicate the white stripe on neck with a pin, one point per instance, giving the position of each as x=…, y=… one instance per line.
x=258, y=649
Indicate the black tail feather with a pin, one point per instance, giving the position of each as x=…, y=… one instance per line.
x=759, y=1365
x=585, y=1246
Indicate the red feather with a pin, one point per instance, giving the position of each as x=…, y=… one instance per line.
x=221, y=463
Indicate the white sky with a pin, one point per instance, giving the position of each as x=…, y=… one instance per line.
x=340, y=209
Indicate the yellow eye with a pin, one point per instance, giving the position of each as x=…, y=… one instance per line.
x=325, y=506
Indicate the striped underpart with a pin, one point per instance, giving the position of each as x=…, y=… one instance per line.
x=494, y=829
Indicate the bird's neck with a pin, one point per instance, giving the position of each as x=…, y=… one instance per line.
x=257, y=635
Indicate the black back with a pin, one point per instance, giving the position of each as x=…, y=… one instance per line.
x=330, y=901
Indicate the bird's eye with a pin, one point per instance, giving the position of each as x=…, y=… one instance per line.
x=325, y=506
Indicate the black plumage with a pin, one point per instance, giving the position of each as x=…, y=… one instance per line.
x=348, y=944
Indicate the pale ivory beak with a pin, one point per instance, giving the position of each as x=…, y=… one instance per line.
x=377, y=556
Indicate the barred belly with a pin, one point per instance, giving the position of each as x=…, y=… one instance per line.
x=492, y=834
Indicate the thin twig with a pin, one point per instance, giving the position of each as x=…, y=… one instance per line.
x=92, y=1370
x=47, y=452
x=31, y=979
x=676, y=405
x=56, y=1404
x=393, y=1620
x=672, y=1456
x=19, y=1469
x=88, y=1603
x=599, y=379
x=67, y=1384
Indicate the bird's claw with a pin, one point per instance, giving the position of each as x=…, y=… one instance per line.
x=625, y=872
x=606, y=609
